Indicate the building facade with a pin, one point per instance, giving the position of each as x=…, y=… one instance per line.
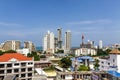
x=29, y=45
x=85, y=51
x=112, y=62
x=67, y=41
x=48, y=42
x=11, y=45
x=100, y=44
x=59, y=38
x=16, y=64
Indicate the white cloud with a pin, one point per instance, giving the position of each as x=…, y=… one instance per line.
x=8, y=24
x=101, y=21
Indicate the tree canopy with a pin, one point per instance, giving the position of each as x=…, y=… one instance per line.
x=83, y=68
x=34, y=54
x=65, y=62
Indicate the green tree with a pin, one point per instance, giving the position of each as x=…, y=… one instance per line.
x=34, y=54
x=65, y=62
x=36, y=57
x=10, y=51
x=29, y=55
x=42, y=56
x=83, y=68
x=96, y=65
x=1, y=53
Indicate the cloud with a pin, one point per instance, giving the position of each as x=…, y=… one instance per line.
x=8, y=24
x=101, y=21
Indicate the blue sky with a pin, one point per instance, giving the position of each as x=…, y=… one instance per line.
x=30, y=19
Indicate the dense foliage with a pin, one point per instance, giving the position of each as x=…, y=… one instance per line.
x=34, y=54
x=65, y=62
x=96, y=65
x=83, y=68
x=8, y=51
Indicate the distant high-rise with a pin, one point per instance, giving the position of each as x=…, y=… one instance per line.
x=11, y=45
x=100, y=44
x=68, y=40
x=48, y=42
x=29, y=45
x=59, y=38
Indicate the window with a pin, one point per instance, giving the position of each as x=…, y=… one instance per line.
x=9, y=65
x=29, y=69
x=108, y=63
x=22, y=75
x=2, y=65
x=1, y=71
x=16, y=64
x=23, y=64
x=9, y=71
x=23, y=70
x=16, y=70
x=29, y=74
x=113, y=60
x=30, y=63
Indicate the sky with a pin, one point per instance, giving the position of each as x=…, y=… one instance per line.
x=29, y=20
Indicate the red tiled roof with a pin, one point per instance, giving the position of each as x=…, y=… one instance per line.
x=115, y=51
x=7, y=56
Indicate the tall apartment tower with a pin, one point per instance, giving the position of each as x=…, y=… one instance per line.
x=59, y=38
x=29, y=45
x=67, y=41
x=100, y=44
x=11, y=45
x=48, y=42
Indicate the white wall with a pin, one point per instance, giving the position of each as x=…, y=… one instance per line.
x=118, y=63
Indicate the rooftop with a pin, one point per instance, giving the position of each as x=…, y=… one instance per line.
x=8, y=56
x=80, y=59
x=114, y=73
x=115, y=51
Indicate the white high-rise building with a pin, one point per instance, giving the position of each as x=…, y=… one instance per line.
x=48, y=42
x=67, y=41
x=100, y=44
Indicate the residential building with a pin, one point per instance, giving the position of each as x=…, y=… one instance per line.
x=111, y=62
x=82, y=60
x=29, y=45
x=100, y=44
x=67, y=41
x=24, y=51
x=48, y=42
x=59, y=38
x=11, y=45
x=16, y=64
x=85, y=51
x=82, y=75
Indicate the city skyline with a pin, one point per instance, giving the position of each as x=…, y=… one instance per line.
x=29, y=20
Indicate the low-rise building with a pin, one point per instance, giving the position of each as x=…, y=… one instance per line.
x=82, y=75
x=83, y=60
x=111, y=64
x=24, y=51
x=85, y=51
x=16, y=64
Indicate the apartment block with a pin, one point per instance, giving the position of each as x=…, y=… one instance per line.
x=11, y=45
x=16, y=64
